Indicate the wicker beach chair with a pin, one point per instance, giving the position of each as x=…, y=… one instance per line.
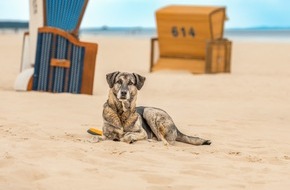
x=63, y=14
x=61, y=62
x=191, y=38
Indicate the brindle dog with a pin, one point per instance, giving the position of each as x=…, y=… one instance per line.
x=123, y=121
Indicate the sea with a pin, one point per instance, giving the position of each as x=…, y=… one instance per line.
x=249, y=34
x=263, y=34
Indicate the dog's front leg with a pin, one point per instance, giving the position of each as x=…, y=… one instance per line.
x=135, y=132
x=131, y=137
x=112, y=128
x=111, y=132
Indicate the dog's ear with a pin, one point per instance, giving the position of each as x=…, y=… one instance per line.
x=111, y=78
x=139, y=80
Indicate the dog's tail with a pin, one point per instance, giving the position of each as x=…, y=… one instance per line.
x=191, y=140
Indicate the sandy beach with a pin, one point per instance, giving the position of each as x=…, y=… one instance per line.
x=246, y=114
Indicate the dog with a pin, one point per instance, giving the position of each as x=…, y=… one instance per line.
x=125, y=122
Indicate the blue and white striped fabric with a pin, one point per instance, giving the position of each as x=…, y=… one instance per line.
x=48, y=78
x=77, y=59
x=64, y=14
x=43, y=54
x=59, y=72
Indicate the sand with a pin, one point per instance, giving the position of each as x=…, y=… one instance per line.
x=246, y=114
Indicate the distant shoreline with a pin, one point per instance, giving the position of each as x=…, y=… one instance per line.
x=254, y=33
x=25, y=25
x=14, y=25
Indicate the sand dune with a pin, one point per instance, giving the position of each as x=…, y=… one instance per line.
x=246, y=114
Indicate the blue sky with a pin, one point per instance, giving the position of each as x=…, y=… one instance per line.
x=241, y=13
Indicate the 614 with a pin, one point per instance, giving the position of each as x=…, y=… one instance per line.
x=182, y=32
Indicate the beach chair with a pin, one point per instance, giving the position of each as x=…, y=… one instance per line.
x=64, y=18
x=63, y=14
x=191, y=38
x=63, y=63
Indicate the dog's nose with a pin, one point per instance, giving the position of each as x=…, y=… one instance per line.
x=123, y=93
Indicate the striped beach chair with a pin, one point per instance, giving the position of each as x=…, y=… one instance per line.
x=62, y=63
x=63, y=14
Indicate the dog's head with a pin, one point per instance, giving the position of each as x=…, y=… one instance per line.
x=125, y=85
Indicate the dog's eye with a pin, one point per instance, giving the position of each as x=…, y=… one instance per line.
x=119, y=81
x=130, y=83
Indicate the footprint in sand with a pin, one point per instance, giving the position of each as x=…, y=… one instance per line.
x=234, y=153
x=287, y=157
x=254, y=159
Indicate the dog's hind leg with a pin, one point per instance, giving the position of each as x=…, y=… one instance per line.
x=161, y=125
x=160, y=133
x=164, y=128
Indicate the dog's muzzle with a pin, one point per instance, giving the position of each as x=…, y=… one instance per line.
x=123, y=95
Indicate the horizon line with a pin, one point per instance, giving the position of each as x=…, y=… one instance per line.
x=107, y=27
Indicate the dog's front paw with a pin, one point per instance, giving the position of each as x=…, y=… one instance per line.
x=130, y=138
x=119, y=131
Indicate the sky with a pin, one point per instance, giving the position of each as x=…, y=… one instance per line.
x=130, y=13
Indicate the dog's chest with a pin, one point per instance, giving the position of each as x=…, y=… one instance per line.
x=128, y=121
